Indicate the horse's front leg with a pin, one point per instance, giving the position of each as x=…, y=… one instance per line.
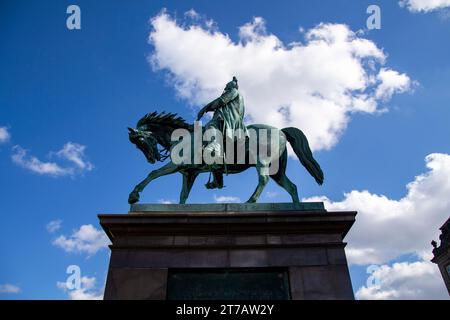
x=188, y=182
x=165, y=170
x=263, y=178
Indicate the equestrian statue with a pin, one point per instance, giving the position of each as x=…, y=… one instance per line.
x=257, y=145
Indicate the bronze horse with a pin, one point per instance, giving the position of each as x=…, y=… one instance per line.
x=156, y=129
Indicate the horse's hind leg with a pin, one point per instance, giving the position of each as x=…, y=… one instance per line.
x=283, y=181
x=263, y=178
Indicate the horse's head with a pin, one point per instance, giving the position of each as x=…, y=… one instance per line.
x=146, y=142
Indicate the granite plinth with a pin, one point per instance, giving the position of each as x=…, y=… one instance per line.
x=152, y=241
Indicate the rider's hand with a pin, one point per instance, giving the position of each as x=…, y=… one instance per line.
x=200, y=114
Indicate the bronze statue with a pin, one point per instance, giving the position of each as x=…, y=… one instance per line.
x=226, y=125
x=228, y=118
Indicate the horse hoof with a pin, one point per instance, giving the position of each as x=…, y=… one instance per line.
x=133, y=197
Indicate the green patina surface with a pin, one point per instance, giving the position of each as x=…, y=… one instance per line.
x=154, y=131
x=224, y=207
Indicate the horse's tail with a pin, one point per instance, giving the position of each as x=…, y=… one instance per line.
x=300, y=144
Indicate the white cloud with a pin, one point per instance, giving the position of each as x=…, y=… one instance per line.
x=416, y=280
x=226, y=199
x=9, y=288
x=315, y=85
x=53, y=225
x=272, y=194
x=391, y=82
x=20, y=156
x=74, y=153
x=71, y=152
x=87, y=239
x=424, y=5
x=165, y=201
x=87, y=290
x=4, y=135
x=192, y=14
x=387, y=228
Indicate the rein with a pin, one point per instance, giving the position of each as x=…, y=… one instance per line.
x=163, y=154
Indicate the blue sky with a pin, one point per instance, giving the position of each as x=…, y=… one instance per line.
x=67, y=96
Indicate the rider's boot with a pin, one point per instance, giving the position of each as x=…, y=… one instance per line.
x=217, y=182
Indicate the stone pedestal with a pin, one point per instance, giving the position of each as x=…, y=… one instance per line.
x=228, y=251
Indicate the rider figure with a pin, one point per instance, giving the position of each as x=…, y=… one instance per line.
x=228, y=119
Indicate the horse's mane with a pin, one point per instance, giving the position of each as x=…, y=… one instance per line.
x=162, y=119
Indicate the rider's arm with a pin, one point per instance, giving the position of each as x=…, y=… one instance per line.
x=225, y=98
x=209, y=107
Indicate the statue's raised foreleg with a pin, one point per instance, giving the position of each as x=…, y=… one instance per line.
x=163, y=171
x=188, y=182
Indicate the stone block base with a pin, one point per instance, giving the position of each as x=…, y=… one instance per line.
x=261, y=251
